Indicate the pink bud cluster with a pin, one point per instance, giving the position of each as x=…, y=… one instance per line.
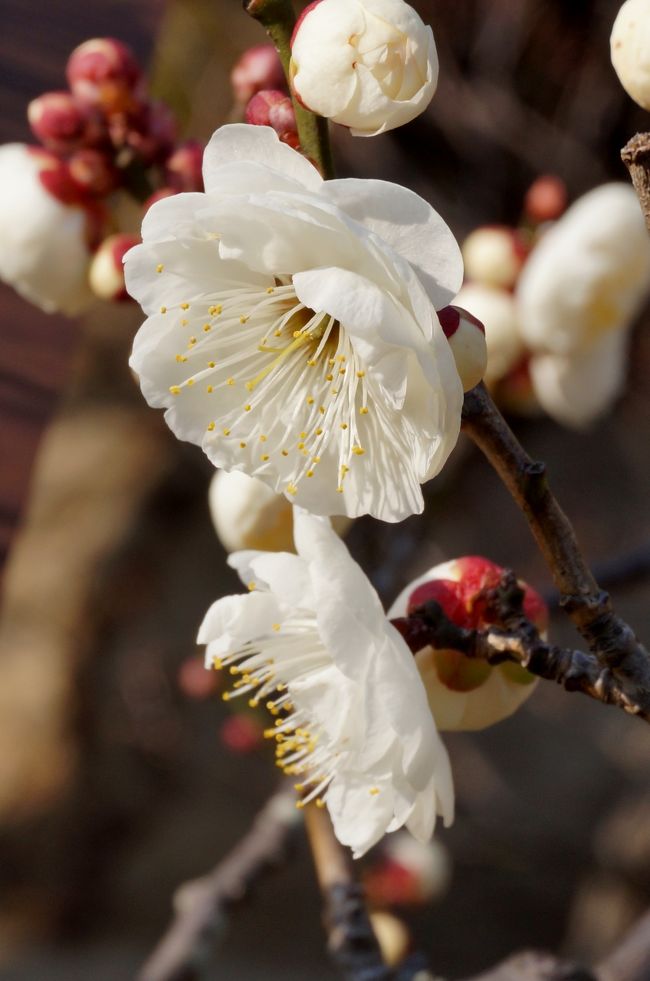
x=102, y=134
x=260, y=87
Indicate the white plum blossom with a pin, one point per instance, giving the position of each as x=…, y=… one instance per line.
x=247, y=514
x=579, y=292
x=44, y=243
x=351, y=716
x=630, y=50
x=370, y=65
x=291, y=327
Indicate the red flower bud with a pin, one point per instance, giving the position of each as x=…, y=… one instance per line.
x=258, y=68
x=93, y=172
x=104, y=72
x=546, y=199
x=150, y=134
x=184, y=168
x=197, y=681
x=62, y=123
x=242, y=733
x=275, y=109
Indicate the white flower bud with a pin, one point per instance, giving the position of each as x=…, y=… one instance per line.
x=493, y=255
x=588, y=275
x=496, y=310
x=370, y=65
x=107, y=269
x=466, y=336
x=630, y=48
x=44, y=252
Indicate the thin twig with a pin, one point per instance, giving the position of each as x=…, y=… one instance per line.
x=200, y=905
x=350, y=938
x=610, y=638
x=278, y=18
x=636, y=157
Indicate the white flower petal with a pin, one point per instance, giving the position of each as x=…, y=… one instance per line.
x=237, y=143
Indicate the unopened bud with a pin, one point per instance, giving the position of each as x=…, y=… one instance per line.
x=107, y=270
x=54, y=175
x=242, y=733
x=494, y=255
x=104, y=72
x=258, y=68
x=630, y=49
x=497, y=311
x=62, y=123
x=467, y=693
x=195, y=680
x=184, y=168
x=466, y=336
x=93, y=172
x=409, y=872
x=150, y=134
x=546, y=199
x=275, y=109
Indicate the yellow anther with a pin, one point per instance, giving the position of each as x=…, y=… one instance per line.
x=242, y=446
x=298, y=333
x=329, y=377
x=263, y=438
x=301, y=446
x=331, y=362
x=175, y=389
x=374, y=791
x=344, y=425
x=339, y=490
x=361, y=374
x=341, y=357
x=292, y=489
x=344, y=469
x=318, y=432
x=190, y=382
x=233, y=669
x=310, y=473
x=321, y=409
x=275, y=626
x=211, y=364
x=243, y=319
x=315, y=459
x=211, y=427
x=277, y=333
x=185, y=306
x=251, y=586
x=358, y=450
x=299, y=787
x=206, y=328
x=226, y=432
x=159, y=267
x=215, y=310
x=299, y=803
x=303, y=435
x=320, y=802
x=226, y=696
x=163, y=309
x=311, y=363
x=310, y=400
x=210, y=389
x=342, y=371
x=363, y=410
x=253, y=702
x=264, y=457
x=230, y=381
x=270, y=289
x=285, y=452
x=181, y=359
x=191, y=342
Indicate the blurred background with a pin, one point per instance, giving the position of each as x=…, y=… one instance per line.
x=121, y=773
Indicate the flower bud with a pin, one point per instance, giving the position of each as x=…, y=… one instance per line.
x=275, y=109
x=370, y=65
x=104, y=72
x=44, y=248
x=195, y=680
x=93, y=172
x=467, y=693
x=106, y=274
x=184, y=168
x=150, y=133
x=409, y=872
x=241, y=733
x=497, y=311
x=258, y=68
x=493, y=255
x=246, y=513
x=62, y=123
x=546, y=199
x=630, y=48
x=466, y=336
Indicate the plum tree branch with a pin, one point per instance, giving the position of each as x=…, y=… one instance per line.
x=636, y=157
x=608, y=636
x=278, y=19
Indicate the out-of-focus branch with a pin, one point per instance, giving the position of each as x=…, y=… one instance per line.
x=514, y=638
x=636, y=157
x=185, y=949
x=610, y=638
x=278, y=18
x=350, y=938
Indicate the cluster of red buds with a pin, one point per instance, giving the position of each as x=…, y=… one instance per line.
x=104, y=134
x=260, y=90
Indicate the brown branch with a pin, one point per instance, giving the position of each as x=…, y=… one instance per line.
x=184, y=950
x=350, y=938
x=610, y=638
x=636, y=157
x=514, y=638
